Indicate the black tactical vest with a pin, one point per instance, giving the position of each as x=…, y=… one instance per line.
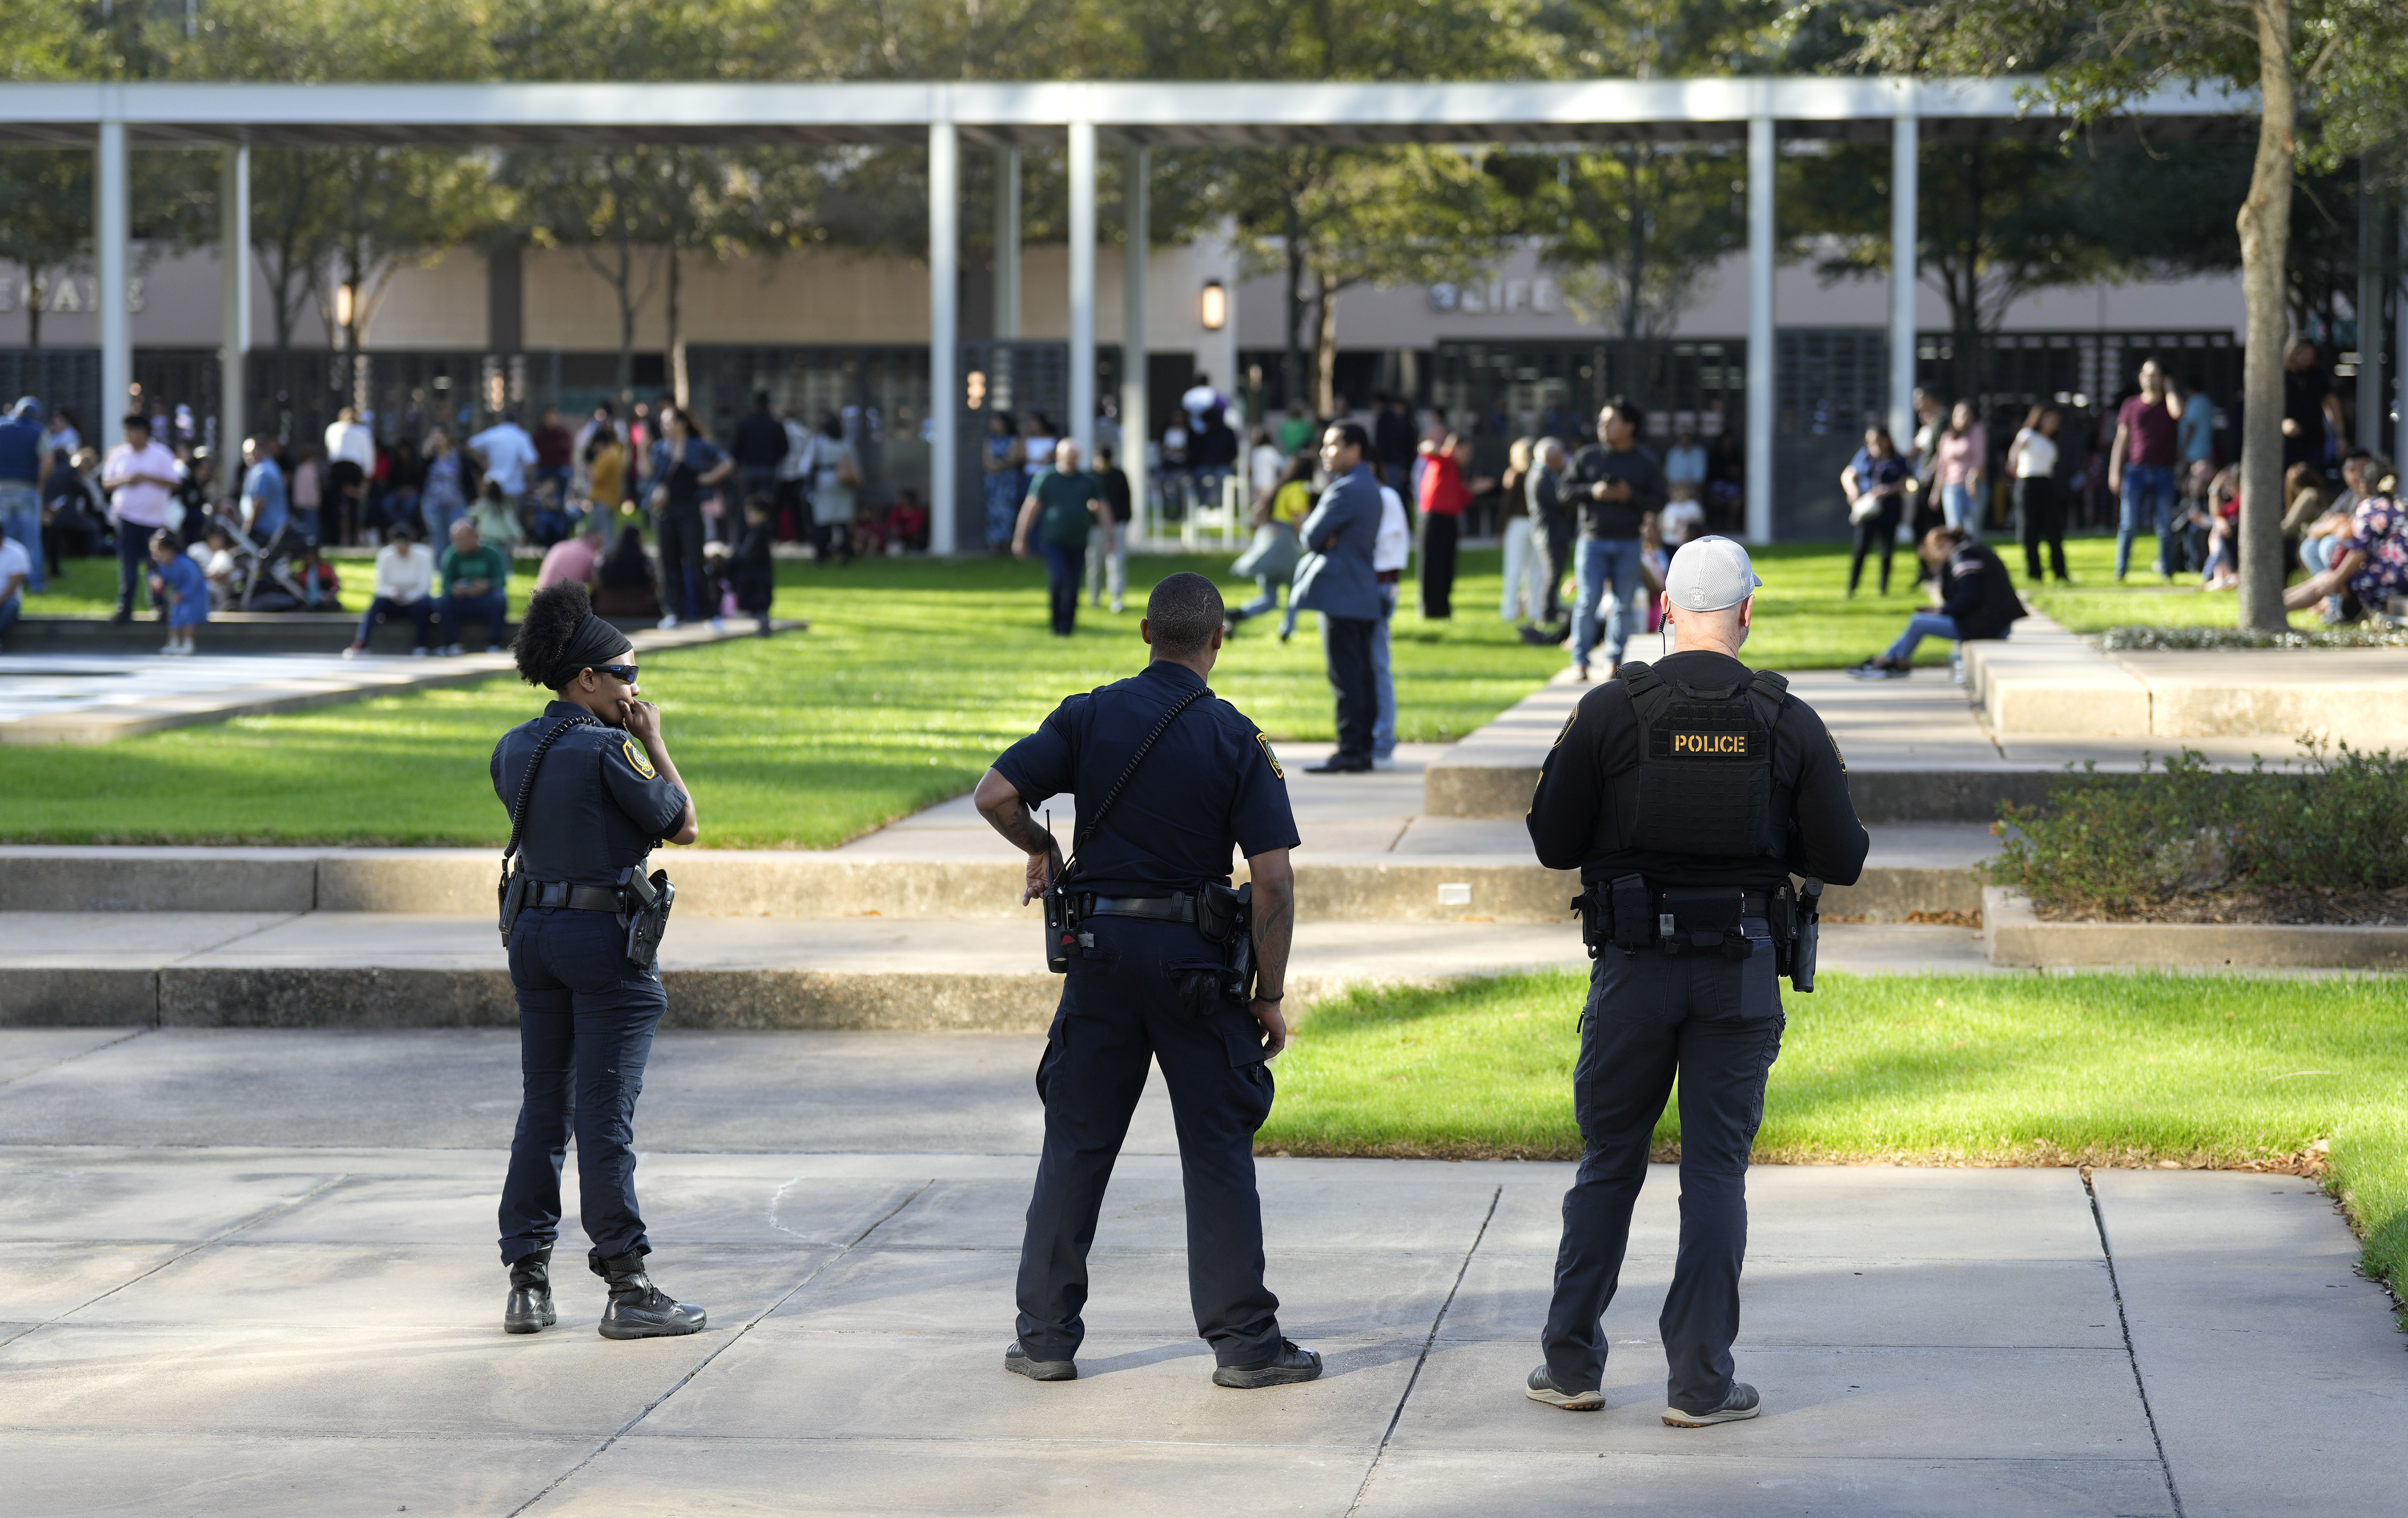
x=1705, y=765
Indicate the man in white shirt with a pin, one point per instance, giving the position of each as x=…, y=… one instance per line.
x=505, y=453
x=1390, y=551
x=15, y=565
x=139, y=475
x=351, y=458
x=405, y=578
x=1201, y=401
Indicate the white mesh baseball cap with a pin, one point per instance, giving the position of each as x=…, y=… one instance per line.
x=1709, y=574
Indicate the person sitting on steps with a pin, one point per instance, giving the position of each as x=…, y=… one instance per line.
x=1977, y=595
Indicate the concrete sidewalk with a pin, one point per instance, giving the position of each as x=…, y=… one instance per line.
x=272, y=1291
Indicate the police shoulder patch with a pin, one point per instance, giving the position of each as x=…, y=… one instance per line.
x=1565, y=731
x=636, y=759
x=1277, y=773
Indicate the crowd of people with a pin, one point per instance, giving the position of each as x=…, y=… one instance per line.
x=447, y=518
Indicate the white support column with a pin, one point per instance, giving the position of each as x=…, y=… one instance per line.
x=1759, y=329
x=110, y=232
x=2400, y=345
x=234, y=254
x=944, y=328
x=1007, y=243
x=1083, y=288
x=1906, y=189
x=2368, y=301
x=1135, y=428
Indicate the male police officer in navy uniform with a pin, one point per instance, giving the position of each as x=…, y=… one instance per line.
x=604, y=792
x=1145, y=983
x=1687, y=792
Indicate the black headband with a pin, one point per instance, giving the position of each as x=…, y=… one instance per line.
x=594, y=644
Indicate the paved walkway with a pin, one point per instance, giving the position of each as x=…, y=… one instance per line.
x=251, y=1272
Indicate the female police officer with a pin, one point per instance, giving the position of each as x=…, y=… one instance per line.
x=601, y=794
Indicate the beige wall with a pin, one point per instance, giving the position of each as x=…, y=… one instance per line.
x=832, y=297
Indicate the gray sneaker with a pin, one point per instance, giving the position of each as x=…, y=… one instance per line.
x=1742, y=1403
x=1016, y=1360
x=1542, y=1388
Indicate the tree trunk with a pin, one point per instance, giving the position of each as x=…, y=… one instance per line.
x=676, y=335
x=34, y=296
x=1325, y=347
x=1291, y=363
x=1968, y=313
x=2264, y=223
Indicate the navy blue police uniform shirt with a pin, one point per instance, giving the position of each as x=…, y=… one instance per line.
x=1212, y=782
x=598, y=805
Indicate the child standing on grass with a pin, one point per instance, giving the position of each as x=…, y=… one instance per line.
x=750, y=571
x=179, y=584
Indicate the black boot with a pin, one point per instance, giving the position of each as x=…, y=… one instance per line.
x=530, y=1306
x=638, y=1309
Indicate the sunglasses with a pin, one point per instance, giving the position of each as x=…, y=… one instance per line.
x=625, y=674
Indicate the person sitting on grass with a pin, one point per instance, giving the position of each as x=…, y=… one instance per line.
x=629, y=586
x=404, y=580
x=2368, y=564
x=1978, y=600
x=752, y=573
x=578, y=559
x=179, y=585
x=475, y=577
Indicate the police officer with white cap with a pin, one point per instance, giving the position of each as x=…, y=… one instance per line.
x=1687, y=792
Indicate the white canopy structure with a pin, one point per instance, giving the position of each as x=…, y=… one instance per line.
x=1135, y=116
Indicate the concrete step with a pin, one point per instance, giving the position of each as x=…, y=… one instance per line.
x=2054, y=685
x=1440, y=871
x=384, y=970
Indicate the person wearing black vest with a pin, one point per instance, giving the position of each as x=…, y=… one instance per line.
x=591, y=789
x=1167, y=780
x=1687, y=793
x=1978, y=601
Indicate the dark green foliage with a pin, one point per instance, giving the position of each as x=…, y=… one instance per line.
x=2120, y=844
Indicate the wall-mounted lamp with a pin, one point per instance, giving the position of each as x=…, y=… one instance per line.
x=1214, y=310
x=345, y=298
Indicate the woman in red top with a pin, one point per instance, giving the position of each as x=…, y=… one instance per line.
x=1443, y=496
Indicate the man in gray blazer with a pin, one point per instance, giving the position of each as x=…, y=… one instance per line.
x=1336, y=580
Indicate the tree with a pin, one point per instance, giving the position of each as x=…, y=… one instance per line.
x=1994, y=222
x=396, y=206
x=47, y=192
x=2330, y=77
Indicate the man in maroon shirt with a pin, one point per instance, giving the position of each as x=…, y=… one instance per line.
x=555, y=451
x=2141, y=467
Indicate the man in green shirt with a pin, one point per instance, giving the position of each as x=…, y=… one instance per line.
x=474, y=580
x=1063, y=506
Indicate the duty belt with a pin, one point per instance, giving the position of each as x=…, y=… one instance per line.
x=580, y=898
x=1178, y=908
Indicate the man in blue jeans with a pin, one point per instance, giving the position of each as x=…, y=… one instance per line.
x=21, y=476
x=1616, y=484
x=2141, y=469
x=1060, y=509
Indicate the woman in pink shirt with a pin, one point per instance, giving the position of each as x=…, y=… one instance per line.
x=1964, y=454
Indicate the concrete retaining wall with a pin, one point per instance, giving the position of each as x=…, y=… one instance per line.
x=1383, y=887
x=282, y=997
x=2017, y=936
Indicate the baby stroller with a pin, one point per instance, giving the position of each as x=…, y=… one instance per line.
x=263, y=580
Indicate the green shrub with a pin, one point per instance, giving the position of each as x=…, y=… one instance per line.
x=2115, y=843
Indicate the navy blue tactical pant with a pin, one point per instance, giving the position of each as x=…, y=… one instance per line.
x=586, y=1019
x=1717, y=1024
x=1120, y=1009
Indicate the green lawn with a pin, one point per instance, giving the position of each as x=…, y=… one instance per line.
x=913, y=676
x=915, y=673
x=2203, y=1071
